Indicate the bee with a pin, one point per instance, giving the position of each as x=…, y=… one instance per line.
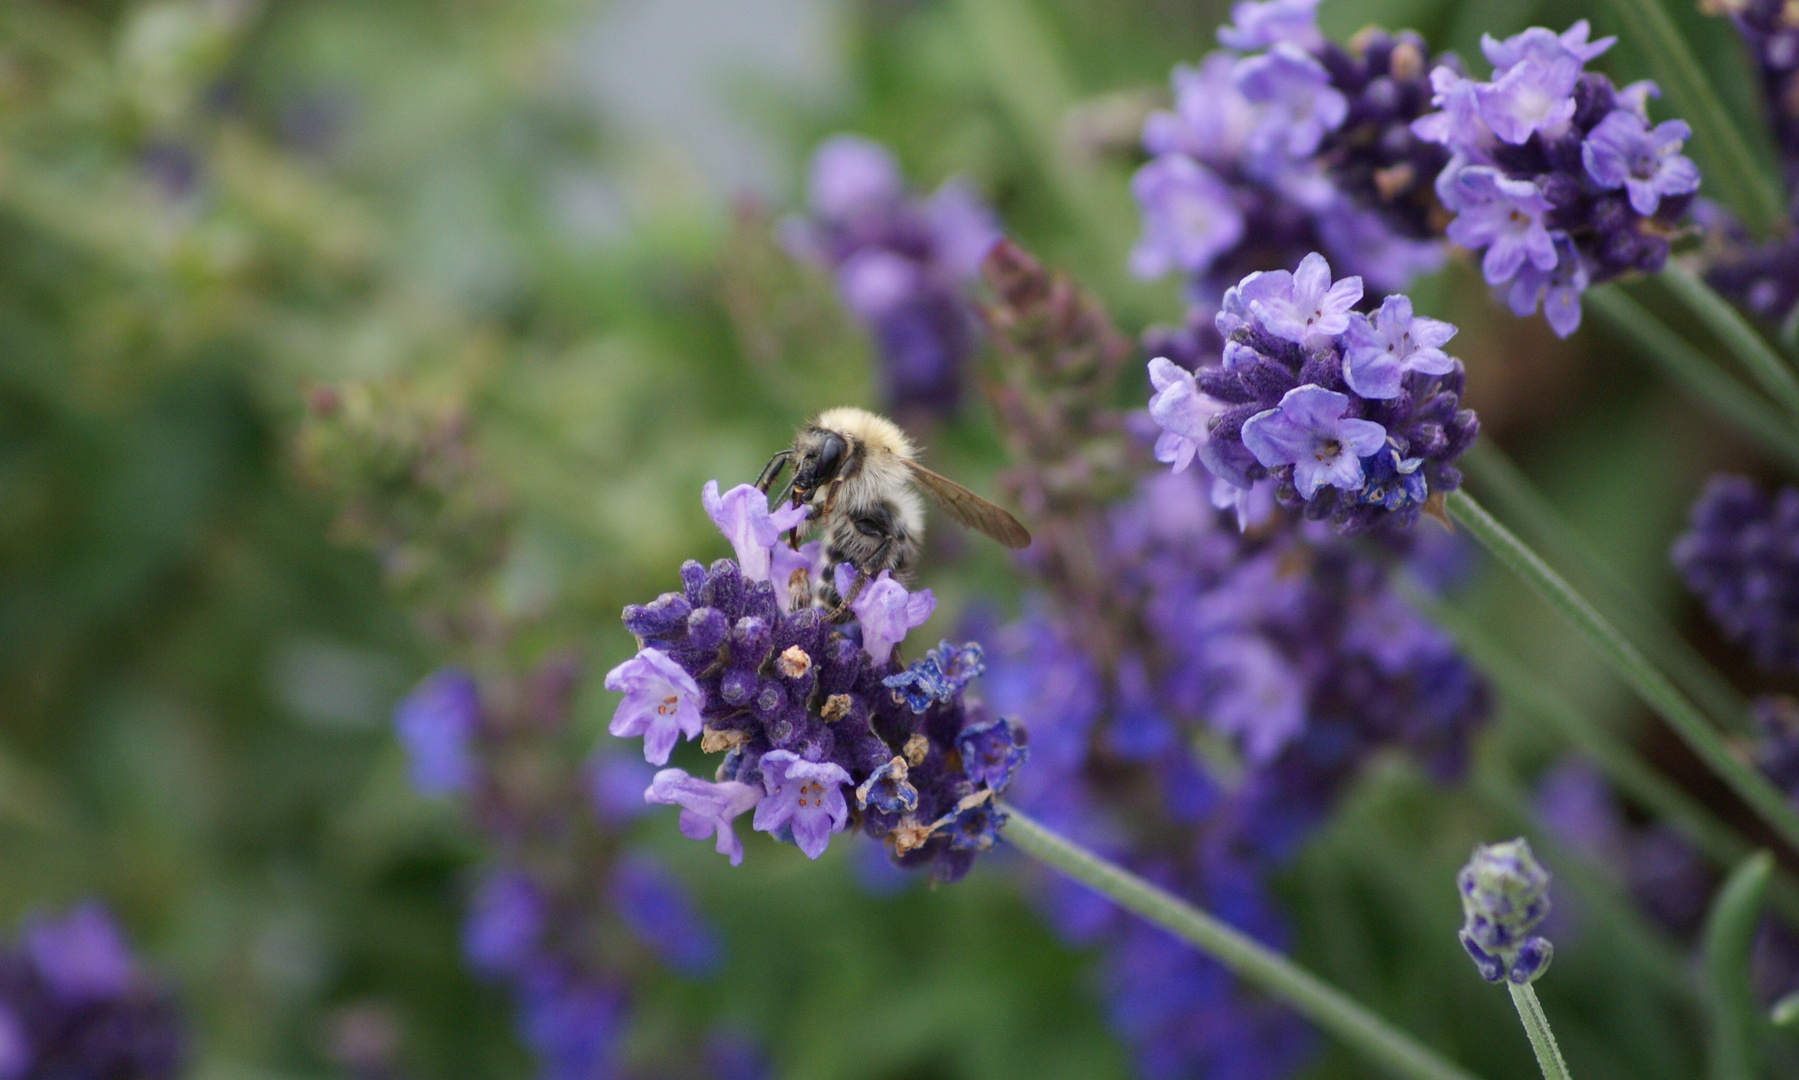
x=860, y=474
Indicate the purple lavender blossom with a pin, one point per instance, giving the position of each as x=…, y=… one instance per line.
x=1381, y=350
x=435, y=723
x=1211, y=120
x=1554, y=172
x=1281, y=405
x=662, y=703
x=1253, y=695
x=1740, y=557
x=707, y=809
x=81, y=956
x=1506, y=217
x=1302, y=105
x=742, y=514
x=615, y=784
x=902, y=265
x=75, y=1002
x=1557, y=290
x=1505, y=894
x=1271, y=22
x=805, y=797
x=1622, y=151
x=1309, y=431
x=505, y=921
x=939, y=676
x=1302, y=146
x=886, y=610
x=1306, y=306
x=1190, y=217
x=803, y=711
x=573, y=1024
x=653, y=906
x=1536, y=94
x=1183, y=412
x=992, y=752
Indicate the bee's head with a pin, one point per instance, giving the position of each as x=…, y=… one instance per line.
x=819, y=457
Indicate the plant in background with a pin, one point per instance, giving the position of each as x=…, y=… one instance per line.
x=565, y=915
x=1287, y=145
x=1160, y=627
x=75, y=1004
x=902, y=266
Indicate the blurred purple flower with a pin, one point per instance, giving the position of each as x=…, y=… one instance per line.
x=436, y=724
x=707, y=809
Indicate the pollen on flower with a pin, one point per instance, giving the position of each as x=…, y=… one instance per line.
x=794, y=662
x=915, y=749
x=909, y=835
x=712, y=740
x=667, y=705
x=836, y=707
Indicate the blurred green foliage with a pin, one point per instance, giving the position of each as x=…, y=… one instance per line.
x=211, y=209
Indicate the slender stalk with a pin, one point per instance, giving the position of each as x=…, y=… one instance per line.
x=1759, y=358
x=1729, y=399
x=1622, y=765
x=1734, y=166
x=1516, y=497
x=1729, y=934
x=1632, y=666
x=1331, y=1009
x=1536, y=1025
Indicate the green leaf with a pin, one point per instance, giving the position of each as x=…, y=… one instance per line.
x=1729, y=933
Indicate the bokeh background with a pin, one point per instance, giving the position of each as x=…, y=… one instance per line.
x=553, y=220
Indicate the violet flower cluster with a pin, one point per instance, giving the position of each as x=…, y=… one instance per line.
x=1764, y=277
x=1557, y=179
x=1740, y=557
x=1345, y=417
x=563, y=917
x=1287, y=145
x=1286, y=652
x=902, y=266
x=75, y=1004
x=823, y=729
x=1505, y=894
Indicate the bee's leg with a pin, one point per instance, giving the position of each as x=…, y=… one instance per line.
x=772, y=471
x=831, y=498
x=878, y=559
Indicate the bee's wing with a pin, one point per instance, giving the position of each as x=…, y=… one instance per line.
x=970, y=509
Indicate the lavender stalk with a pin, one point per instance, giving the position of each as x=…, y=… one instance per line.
x=1505, y=894
x=1317, y=1000
x=1631, y=665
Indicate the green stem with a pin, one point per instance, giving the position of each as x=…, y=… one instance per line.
x=1752, y=350
x=1514, y=495
x=1716, y=387
x=1729, y=934
x=1631, y=665
x=1536, y=1025
x=1315, y=999
x=1733, y=165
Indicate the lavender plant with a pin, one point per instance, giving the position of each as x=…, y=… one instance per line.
x=1162, y=624
x=811, y=715
x=565, y=916
x=75, y=1004
x=902, y=267
x=1505, y=894
x=1348, y=418
x=1286, y=143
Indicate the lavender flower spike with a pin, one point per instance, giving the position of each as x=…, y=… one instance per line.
x=1183, y=410
x=1382, y=348
x=806, y=796
x=436, y=723
x=1505, y=894
x=1304, y=306
x=1622, y=151
x=886, y=610
x=706, y=808
x=1309, y=431
x=1506, y=214
x=662, y=702
x=742, y=515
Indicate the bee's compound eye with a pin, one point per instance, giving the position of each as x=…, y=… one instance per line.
x=830, y=456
